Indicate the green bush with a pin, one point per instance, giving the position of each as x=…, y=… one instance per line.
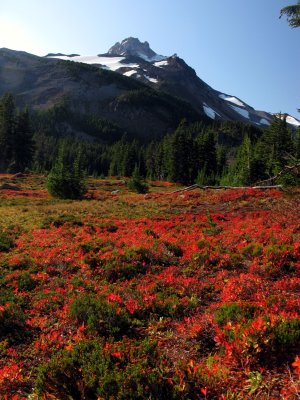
x=100, y=316
x=6, y=242
x=91, y=372
x=285, y=338
x=174, y=249
x=26, y=282
x=234, y=313
x=12, y=317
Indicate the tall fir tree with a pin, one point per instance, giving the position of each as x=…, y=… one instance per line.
x=7, y=130
x=23, y=148
x=277, y=141
x=180, y=155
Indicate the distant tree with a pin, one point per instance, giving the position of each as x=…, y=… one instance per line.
x=16, y=138
x=297, y=144
x=66, y=180
x=206, y=157
x=277, y=144
x=179, y=155
x=243, y=163
x=293, y=14
x=23, y=148
x=7, y=130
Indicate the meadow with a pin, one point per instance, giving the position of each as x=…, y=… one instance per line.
x=169, y=294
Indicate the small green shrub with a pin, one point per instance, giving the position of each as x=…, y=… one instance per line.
x=252, y=250
x=26, y=282
x=12, y=317
x=90, y=372
x=285, y=337
x=100, y=316
x=6, y=242
x=212, y=227
x=174, y=249
x=234, y=313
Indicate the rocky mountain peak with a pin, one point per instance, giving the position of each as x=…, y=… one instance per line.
x=134, y=47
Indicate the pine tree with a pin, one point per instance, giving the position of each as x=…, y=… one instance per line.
x=297, y=145
x=66, y=181
x=7, y=130
x=277, y=141
x=23, y=142
x=242, y=168
x=293, y=14
x=136, y=183
x=179, y=155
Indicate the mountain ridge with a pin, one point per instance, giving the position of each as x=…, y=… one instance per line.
x=137, y=60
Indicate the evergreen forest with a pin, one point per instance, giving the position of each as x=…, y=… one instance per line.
x=203, y=152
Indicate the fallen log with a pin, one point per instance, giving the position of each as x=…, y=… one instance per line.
x=204, y=187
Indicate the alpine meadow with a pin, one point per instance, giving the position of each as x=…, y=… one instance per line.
x=149, y=223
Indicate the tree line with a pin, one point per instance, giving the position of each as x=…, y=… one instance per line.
x=226, y=153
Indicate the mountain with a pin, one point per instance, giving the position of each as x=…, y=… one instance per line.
x=133, y=47
x=88, y=100
x=137, y=60
x=130, y=89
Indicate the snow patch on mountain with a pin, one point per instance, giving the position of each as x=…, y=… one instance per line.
x=209, y=111
x=160, y=64
x=232, y=99
x=263, y=121
x=111, y=63
x=157, y=57
x=241, y=111
x=129, y=73
x=153, y=80
x=293, y=121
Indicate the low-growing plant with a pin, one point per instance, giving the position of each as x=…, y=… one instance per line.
x=212, y=227
x=60, y=220
x=253, y=250
x=100, y=316
x=26, y=282
x=234, y=313
x=89, y=371
x=6, y=242
x=12, y=317
x=174, y=249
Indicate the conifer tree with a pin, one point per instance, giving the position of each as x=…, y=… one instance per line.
x=293, y=14
x=297, y=145
x=241, y=171
x=66, y=180
x=136, y=183
x=278, y=145
x=7, y=130
x=180, y=155
x=24, y=146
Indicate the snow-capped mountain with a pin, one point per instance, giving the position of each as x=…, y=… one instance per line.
x=171, y=74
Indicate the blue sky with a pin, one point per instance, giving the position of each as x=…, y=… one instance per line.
x=239, y=47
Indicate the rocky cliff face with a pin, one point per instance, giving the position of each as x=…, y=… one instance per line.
x=133, y=47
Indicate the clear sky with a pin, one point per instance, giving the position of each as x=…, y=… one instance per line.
x=239, y=47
